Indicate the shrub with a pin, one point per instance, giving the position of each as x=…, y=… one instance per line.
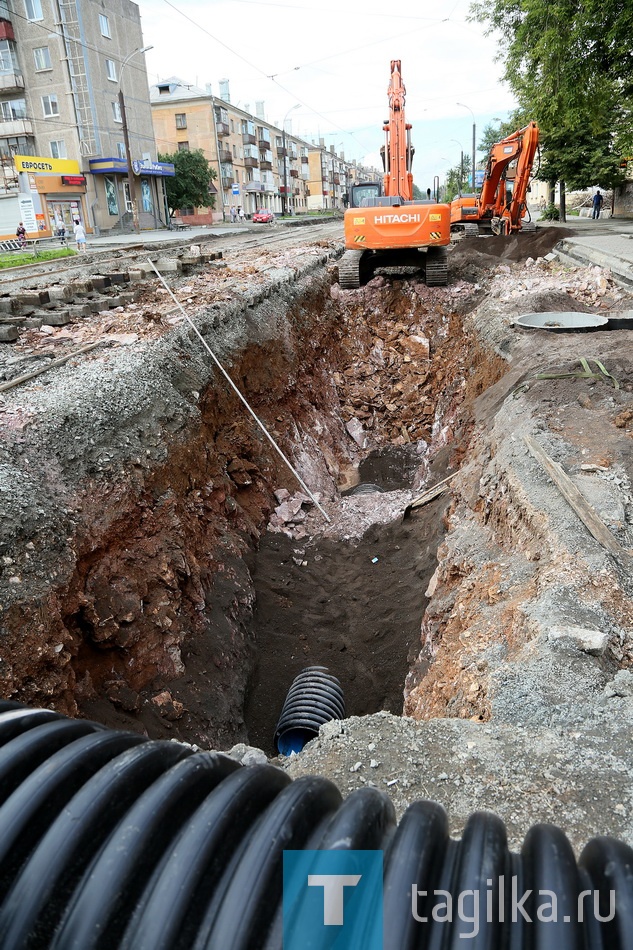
x=550, y=213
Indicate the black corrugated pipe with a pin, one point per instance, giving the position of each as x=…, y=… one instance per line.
x=314, y=698
x=111, y=841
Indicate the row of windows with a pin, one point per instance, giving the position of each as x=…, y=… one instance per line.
x=34, y=12
x=42, y=57
x=16, y=108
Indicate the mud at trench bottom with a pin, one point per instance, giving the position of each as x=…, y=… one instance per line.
x=352, y=606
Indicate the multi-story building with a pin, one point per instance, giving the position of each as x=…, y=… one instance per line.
x=257, y=165
x=62, y=65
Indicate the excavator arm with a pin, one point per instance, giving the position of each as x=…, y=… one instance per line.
x=397, y=152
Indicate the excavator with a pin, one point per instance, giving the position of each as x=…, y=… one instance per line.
x=501, y=205
x=384, y=226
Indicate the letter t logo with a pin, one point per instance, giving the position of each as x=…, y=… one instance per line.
x=333, y=886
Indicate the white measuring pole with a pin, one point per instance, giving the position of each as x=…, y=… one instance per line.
x=236, y=390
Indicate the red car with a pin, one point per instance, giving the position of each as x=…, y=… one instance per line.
x=263, y=216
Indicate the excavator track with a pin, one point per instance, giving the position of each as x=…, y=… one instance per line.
x=436, y=267
x=349, y=270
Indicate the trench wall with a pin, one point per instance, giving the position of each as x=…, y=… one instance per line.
x=133, y=484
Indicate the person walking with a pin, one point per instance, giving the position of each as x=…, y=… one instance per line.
x=20, y=234
x=240, y=212
x=233, y=214
x=597, y=205
x=80, y=236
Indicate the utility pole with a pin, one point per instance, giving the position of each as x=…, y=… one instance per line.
x=284, y=197
x=474, y=139
x=126, y=138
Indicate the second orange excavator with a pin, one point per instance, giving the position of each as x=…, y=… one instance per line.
x=501, y=206
x=384, y=226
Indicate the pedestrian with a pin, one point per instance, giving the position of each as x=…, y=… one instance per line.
x=233, y=214
x=597, y=205
x=240, y=212
x=80, y=236
x=61, y=234
x=20, y=234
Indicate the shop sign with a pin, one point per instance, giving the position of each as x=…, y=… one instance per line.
x=40, y=165
x=78, y=181
x=27, y=213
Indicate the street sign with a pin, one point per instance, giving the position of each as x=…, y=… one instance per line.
x=479, y=177
x=235, y=189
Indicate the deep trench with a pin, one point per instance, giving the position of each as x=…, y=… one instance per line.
x=178, y=589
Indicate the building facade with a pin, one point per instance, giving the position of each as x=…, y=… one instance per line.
x=62, y=65
x=257, y=164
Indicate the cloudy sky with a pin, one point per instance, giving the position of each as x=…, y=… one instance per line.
x=332, y=59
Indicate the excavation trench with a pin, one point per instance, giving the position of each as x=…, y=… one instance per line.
x=156, y=598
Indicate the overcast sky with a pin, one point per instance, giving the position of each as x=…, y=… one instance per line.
x=333, y=59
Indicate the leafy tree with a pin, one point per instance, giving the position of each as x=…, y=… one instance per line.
x=570, y=67
x=189, y=188
x=458, y=179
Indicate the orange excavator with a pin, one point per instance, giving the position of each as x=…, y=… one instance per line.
x=502, y=203
x=384, y=226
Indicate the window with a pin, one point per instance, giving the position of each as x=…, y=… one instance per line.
x=42, y=57
x=183, y=146
x=116, y=112
x=33, y=9
x=120, y=148
x=13, y=109
x=50, y=105
x=232, y=126
x=181, y=120
x=58, y=149
x=111, y=70
x=104, y=25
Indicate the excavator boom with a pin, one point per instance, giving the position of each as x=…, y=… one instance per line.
x=390, y=228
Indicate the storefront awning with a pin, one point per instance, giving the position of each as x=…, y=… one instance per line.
x=118, y=166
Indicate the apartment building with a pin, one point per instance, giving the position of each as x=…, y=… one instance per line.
x=257, y=164
x=62, y=147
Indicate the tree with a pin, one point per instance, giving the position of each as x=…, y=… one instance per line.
x=570, y=67
x=189, y=188
x=457, y=179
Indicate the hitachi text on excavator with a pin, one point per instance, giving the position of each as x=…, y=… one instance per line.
x=384, y=226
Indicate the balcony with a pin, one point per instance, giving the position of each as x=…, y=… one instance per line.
x=263, y=142
x=227, y=181
x=254, y=186
x=11, y=82
x=265, y=165
x=281, y=152
x=294, y=173
x=222, y=129
x=225, y=156
x=297, y=191
x=251, y=162
x=337, y=179
x=304, y=159
x=11, y=127
x=248, y=139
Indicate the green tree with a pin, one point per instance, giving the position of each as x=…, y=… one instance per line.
x=570, y=67
x=458, y=179
x=189, y=188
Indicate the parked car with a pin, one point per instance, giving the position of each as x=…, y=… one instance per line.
x=263, y=216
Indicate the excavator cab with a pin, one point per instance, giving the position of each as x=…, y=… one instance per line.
x=364, y=194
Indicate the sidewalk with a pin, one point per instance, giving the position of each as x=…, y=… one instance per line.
x=607, y=242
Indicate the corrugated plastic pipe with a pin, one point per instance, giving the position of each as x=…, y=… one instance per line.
x=315, y=697
x=111, y=841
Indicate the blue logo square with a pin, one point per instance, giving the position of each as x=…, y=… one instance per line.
x=332, y=900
